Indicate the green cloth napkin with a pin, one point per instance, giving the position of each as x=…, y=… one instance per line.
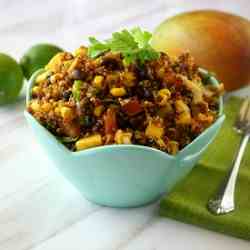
x=188, y=201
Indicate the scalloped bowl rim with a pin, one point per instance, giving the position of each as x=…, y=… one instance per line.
x=221, y=116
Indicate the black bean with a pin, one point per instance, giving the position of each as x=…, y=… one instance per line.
x=112, y=62
x=98, y=125
x=77, y=74
x=147, y=93
x=108, y=101
x=138, y=121
x=142, y=73
x=66, y=95
x=122, y=120
x=87, y=121
x=144, y=93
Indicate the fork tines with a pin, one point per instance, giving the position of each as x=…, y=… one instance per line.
x=242, y=122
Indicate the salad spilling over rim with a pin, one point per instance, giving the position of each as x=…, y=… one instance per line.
x=122, y=91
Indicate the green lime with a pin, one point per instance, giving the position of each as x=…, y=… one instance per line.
x=37, y=57
x=11, y=79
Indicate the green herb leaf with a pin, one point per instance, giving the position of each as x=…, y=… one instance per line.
x=96, y=48
x=122, y=42
x=141, y=37
x=133, y=45
x=147, y=54
x=76, y=90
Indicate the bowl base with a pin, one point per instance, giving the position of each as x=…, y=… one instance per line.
x=117, y=205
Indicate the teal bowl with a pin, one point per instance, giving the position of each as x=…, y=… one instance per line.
x=122, y=175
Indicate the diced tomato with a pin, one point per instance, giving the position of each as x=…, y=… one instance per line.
x=132, y=107
x=110, y=123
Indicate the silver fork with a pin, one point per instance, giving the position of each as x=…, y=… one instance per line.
x=223, y=202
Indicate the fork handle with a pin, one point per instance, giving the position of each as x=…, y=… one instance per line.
x=223, y=202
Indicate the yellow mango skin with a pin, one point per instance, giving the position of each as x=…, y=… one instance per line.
x=218, y=41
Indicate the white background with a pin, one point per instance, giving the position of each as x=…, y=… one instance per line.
x=38, y=208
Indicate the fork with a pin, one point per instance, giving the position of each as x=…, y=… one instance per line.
x=223, y=202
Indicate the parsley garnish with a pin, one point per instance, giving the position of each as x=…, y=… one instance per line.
x=133, y=45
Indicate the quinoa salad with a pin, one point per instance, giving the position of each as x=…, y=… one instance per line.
x=96, y=97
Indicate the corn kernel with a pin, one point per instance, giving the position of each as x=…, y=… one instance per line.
x=67, y=113
x=154, y=131
x=46, y=107
x=173, y=147
x=165, y=110
x=55, y=63
x=205, y=118
x=195, y=89
x=42, y=77
x=164, y=92
x=112, y=78
x=129, y=79
x=35, y=106
x=82, y=51
x=184, y=119
x=97, y=82
x=123, y=137
x=161, y=72
x=36, y=90
x=55, y=77
x=163, y=97
x=57, y=111
x=117, y=92
x=161, y=143
x=98, y=110
x=67, y=64
x=89, y=142
x=184, y=112
x=74, y=65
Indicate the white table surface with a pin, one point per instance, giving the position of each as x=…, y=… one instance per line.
x=38, y=208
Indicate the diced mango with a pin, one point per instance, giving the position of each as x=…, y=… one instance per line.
x=67, y=113
x=154, y=131
x=122, y=137
x=163, y=96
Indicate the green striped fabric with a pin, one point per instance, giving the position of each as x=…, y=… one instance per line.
x=188, y=201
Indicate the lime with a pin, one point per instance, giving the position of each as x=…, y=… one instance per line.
x=11, y=79
x=37, y=57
